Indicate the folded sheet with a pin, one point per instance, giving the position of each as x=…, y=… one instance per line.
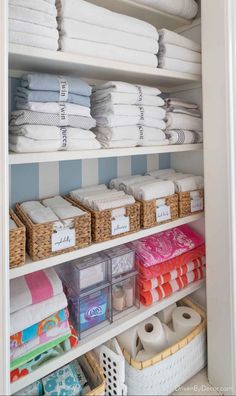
x=180, y=65
x=177, y=102
x=37, y=5
x=108, y=51
x=105, y=96
x=85, y=31
x=155, y=190
x=21, y=117
x=183, y=121
x=177, y=52
x=170, y=37
x=129, y=133
x=183, y=8
x=190, y=183
x=123, y=87
x=34, y=313
x=181, y=136
x=33, y=40
x=34, y=288
x=112, y=121
x=55, y=108
x=81, y=10
x=28, y=27
x=128, y=110
x=43, y=132
x=29, y=15
x=183, y=110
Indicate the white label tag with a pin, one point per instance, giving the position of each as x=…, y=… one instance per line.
x=63, y=116
x=63, y=138
x=119, y=212
x=196, y=204
x=63, y=239
x=163, y=213
x=120, y=225
x=64, y=89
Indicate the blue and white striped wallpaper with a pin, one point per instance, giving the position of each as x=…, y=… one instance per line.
x=35, y=181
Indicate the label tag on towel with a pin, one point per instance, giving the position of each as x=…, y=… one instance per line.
x=120, y=225
x=140, y=94
x=64, y=89
x=141, y=113
x=63, y=239
x=141, y=136
x=63, y=131
x=196, y=204
x=63, y=115
x=163, y=213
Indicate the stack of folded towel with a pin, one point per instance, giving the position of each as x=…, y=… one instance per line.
x=128, y=115
x=39, y=317
x=53, y=113
x=183, y=8
x=33, y=23
x=184, y=122
x=94, y=31
x=101, y=198
x=178, y=53
x=183, y=182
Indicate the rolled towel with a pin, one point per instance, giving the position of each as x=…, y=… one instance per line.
x=85, y=190
x=126, y=185
x=176, y=176
x=180, y=65
x=180, y=136
x=115, y=183
x=105, y=96
x=155, y=190
x=43, y=132
x=123, y=87
x=130, y=133
x=177, y=52
x=183, y=8
x=190, y=183
x=55, y=108
x=183, y=121
x=128, y=110
x=67, y=212
x=30, y=28
x=33, y=16
x=170, y=37
x=56, y=202
x=33, y=40
x=133, y=188
x=37, y=5
x=177, y=102
x=161, y=172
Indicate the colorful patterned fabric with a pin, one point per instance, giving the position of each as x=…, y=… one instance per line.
x=63, y=382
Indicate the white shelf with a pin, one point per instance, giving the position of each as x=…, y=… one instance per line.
x=103, y=335
x=33, y=266
x=102, y=153
x=25, y=58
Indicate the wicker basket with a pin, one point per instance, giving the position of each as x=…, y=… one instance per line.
x=39, y=236
x=168, y=370
x=102, y=221
x=186, y=200
x=148, y=211
x=16, y=242
x=93, y=373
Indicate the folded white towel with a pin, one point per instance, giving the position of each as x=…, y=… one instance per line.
x=177, y=102
x=183, y=121
x=55, y=108
x=32, y=40
x=30, y=205
x=123, y=87
x=104, y=96
x=183, y=8
x=27, y=27
x=129, y=133
x=94, y=202
x=155, y=190
x=67, y=212
x=12, y=224
x=189, y=183
x=29, y=15
x=88, y=190
x=37, y=5
x=161, y=172
x=177, y=52
x=128, y=110
x=56, y=202
x=42, y=215
x=44, y=132
x=133, y=188
x=114, y=203
x=107, y=51
x=81, y=10
x=180, y=65
x=170, y=37
x=99, y=195
x=85, y=31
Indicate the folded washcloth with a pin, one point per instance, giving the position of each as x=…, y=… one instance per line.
x=161, y=172
x=29, y=15
x=24, y=95
x=43, y=132
x=63, y=109
x=177, y=52
x=103, y=110
x=112, y=121
x=34, y=313
x=21, y=117
x=107, y=51
x=29, y=205
x=129, y=133
x=155, y=190
x=183, y=121
x=34, y=288
x=123, y=87
x=33, y=40
x=105, y=96
x=180, y=65
x=81, y=10
x=177, y=102
x=68, y=212
x=56, y=202
x=86, y=31
x=37, y=5
x=183, y=8
x=115, y=183
x=12, y=224
x=189, y=184
x=28, y=27
x=181, y=136
x=170, y=37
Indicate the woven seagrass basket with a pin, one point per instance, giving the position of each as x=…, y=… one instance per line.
x=93, y=373
x=148, y=215
x=186, y=202
x=16, y=242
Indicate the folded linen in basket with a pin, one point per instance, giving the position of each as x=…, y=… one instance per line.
x=182, y=8
x=181, y=136
x=126, y=184
x=27, y=27
x=128, y=110
x=29, y=205
x=89, y=197
x=161, y=172
x=108, y=51
x=34, y=313
x=112, y=121
x=177, y=52
x=62, y=108
x=113, y=203
x=56, y=202
x=123, y=87
x=180, y=65
x=29, y=15
x=155, y=190
x=131, y=133
x=105, y=96
x=37, y=5
x=24, y=95
x=115, y=183
x=68, y=212
x=28, y=334
x=21, y=117
x=43, y=132
x=53, y=82
x=85, y=31
x=183, y=121
x=42, y=215
x=33, y=288
x=81, y=10
x=88, y=190
x=170, y=37
x=33, y=40
x=189, y=183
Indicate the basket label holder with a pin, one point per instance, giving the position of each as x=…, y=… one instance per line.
x=163, y=212
x=120, y=222
x=62, y=237
x=196, y=201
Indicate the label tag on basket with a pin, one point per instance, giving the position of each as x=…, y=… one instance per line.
x=119, y=212
x=196, y=204
x=120, y=225
x=163, y=213
x=63, y=115
x=63, y=131
x=64, y=89
x=63, y=239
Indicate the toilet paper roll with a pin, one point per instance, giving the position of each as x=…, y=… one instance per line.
x=152, y=335
x=185, y=320
x=130, y=341
x=171, y=336
x=143, y=355
x=165, y=316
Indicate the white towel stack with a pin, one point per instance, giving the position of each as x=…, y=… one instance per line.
x=33, y=23
x=183, y=8
x=128, y=115
x=178, y=53
x=184, y=122
x=183, y=182
x=90, y=30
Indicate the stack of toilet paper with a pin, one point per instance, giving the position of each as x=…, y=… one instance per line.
x=159, y=332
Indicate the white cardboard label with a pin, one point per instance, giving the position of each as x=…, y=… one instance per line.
x=196, y=204
x=63, y=239
x=120, y=225
x=163, y=213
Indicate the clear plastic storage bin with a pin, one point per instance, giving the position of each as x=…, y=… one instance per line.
x=122, y=259
x=124, y=293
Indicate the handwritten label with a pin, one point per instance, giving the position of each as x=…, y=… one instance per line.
x=63, y=239
x=63, y=115
x=64, y=89
x=196, y=204
x=163, y=213
x=120, y=225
